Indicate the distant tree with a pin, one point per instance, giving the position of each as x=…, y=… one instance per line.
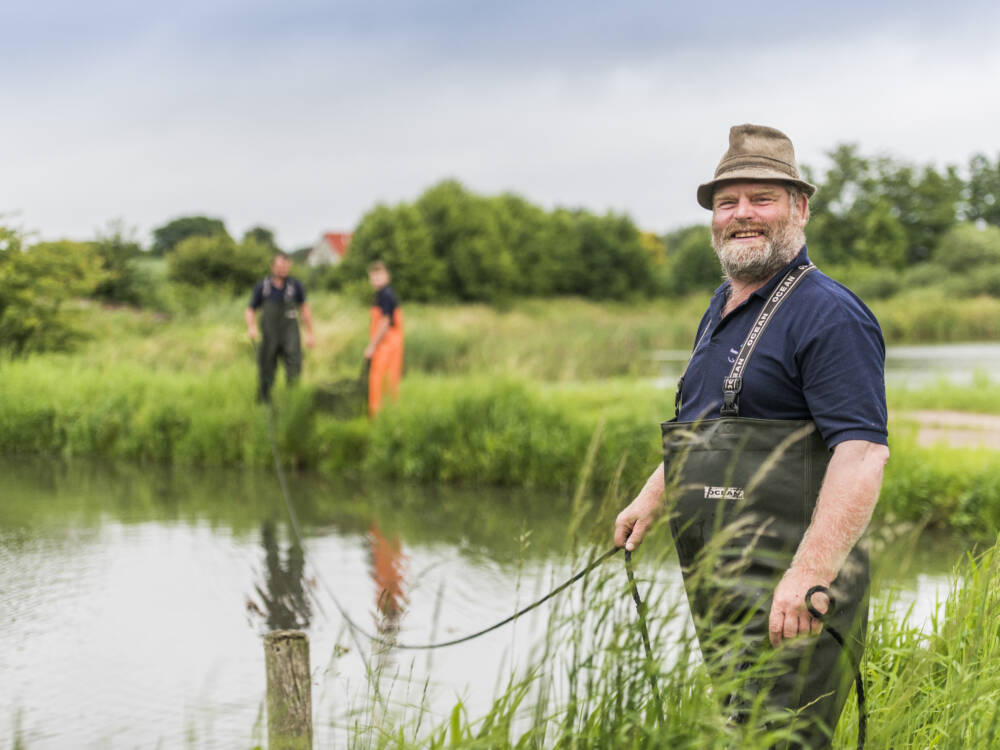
x=465, y=235
x=613, y=263
x=34, y=285
x=862, y=201
x=124, y=281
x=655, y=248
x=839, y=207
x=397, y=236
x=541, y=244
x=983, y=199
x=263, y=236
x=969, y=249
x=924, y=201
x=882, y=240
x=171, y=234
x=692, y=265
x=218, y=261
x=452, y=244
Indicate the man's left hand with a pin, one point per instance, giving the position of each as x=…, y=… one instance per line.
x=310, y=340
x=789, y=616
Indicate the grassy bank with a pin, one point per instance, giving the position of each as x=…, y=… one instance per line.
x=462, y=430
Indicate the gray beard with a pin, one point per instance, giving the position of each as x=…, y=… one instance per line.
x=751, y=265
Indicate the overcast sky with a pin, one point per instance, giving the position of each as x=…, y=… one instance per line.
x=304, y=114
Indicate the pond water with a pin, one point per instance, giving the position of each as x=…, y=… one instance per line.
x=133, y=600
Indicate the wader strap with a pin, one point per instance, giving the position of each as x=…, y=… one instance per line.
x=733, y=384
x=680, y=381
x=289, y=295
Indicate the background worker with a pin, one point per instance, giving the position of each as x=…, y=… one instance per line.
x=784, y=356
x=385, y=339
x=281, y=300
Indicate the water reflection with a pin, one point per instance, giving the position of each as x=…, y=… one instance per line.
x=283, y=594
x=386, y=561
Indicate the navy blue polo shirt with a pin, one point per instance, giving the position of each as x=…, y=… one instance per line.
x=385, y=300
x=274, y=294
x=822, y=357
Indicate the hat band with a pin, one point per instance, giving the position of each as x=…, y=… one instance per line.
x=756, y=161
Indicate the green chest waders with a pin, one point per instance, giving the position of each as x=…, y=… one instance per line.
x=743, y=493
x=279, y=328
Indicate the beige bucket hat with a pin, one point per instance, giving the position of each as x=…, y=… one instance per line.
x=756, y=152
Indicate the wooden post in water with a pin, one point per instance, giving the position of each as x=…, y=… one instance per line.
x=289, y=693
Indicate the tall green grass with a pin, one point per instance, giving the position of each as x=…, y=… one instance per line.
x=566, y=339
x=982, y=396
x=925, y=316
x=552, y=339
x=588, y=683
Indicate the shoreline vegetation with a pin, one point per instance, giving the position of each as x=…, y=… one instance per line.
x=554, y=387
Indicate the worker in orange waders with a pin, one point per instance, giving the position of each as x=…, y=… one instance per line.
x=385, y=340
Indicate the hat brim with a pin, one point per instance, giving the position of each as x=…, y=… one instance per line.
x=752, y=174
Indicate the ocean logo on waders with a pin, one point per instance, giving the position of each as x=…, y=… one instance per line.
x=723, y=493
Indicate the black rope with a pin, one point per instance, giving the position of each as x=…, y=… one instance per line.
x=640, y=607
x=565, y=584
x=858, y=682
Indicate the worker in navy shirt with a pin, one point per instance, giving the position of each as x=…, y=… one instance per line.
x=780, y=426
x=280, y=301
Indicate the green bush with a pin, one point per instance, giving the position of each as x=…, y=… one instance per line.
x=966, y=249
x=868, y=282
x=166, y=238
x=35, y=285
x=125, y=280
x=691, y=262
x=985, y=281
x=218, y=261
x=922, y=275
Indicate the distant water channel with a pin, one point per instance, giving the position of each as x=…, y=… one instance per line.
x=905, y=366
x=133, y=601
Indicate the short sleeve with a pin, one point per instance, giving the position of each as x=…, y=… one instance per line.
x=257, y=297
x=386, y=302
x=843, y=377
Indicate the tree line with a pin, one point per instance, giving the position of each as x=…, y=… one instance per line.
x=879, y=223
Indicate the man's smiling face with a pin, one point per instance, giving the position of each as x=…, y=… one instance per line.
x=756, y=228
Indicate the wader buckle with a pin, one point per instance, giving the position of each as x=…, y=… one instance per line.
x=731, y=397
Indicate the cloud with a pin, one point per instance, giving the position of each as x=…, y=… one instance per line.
x=301, y=117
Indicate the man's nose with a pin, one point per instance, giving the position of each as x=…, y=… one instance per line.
x=744, y=208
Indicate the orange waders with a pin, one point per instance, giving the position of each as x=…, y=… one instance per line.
x=386, y=368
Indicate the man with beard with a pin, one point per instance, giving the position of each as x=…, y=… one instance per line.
x=774, y=458
x=281, y=300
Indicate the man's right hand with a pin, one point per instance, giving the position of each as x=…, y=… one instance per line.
x=632, y=523
x=253, y=333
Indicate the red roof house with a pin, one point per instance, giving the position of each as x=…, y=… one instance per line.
x=329, y=249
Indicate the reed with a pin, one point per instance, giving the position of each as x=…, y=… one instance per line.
x=588, y=684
